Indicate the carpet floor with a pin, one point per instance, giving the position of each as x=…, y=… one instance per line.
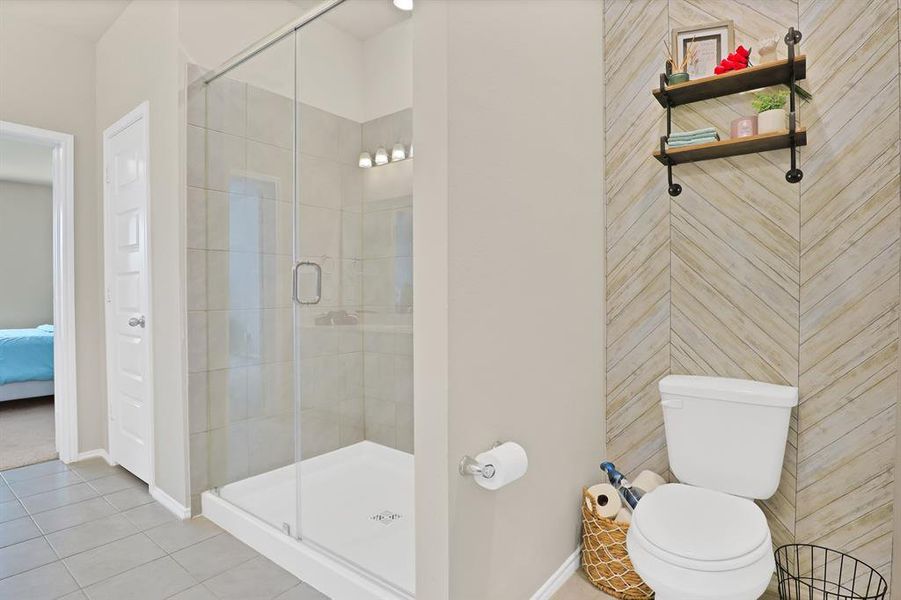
x=27, y=433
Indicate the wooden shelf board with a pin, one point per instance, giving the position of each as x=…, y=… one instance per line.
x=733, y=82
x=733, y=147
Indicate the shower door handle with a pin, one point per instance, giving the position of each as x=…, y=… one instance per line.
x=295, y=283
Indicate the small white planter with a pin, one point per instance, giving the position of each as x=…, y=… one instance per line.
x=772, y=120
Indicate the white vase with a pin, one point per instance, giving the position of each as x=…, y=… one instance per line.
x=772, y=120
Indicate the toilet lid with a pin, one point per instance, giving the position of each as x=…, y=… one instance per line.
x=698, y=524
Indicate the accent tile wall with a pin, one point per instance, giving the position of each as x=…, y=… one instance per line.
x=745, y=275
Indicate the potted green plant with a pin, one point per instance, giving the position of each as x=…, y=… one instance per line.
x=770, y=107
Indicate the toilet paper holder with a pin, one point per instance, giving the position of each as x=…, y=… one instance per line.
x=470, y=466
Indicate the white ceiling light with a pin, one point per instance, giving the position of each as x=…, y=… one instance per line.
x=404, y=4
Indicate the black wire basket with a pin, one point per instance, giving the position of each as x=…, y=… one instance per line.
x=808, y=572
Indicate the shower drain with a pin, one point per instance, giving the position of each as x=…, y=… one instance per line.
x=386, y=517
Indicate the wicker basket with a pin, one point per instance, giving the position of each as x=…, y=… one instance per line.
x=605, y=559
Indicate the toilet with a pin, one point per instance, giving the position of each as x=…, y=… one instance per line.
x=704, y=538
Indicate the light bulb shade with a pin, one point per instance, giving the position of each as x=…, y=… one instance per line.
x=365, y=160
x=398, y=152
x=404, y=4
x=381, y=156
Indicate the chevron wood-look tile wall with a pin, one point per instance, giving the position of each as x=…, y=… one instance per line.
x=745, y=275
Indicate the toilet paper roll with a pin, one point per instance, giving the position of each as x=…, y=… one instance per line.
x=624, y=516
x=648, y=481
x=607, y=502
x=509, y=462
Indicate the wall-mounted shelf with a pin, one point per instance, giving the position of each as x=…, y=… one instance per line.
x=733, y=82
x=732, y=147
x=778, y=72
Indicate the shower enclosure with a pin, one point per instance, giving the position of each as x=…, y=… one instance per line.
x=300, y=299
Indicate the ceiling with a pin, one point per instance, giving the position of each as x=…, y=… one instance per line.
x=87, y=19
x=363, y=18
x=25, y=162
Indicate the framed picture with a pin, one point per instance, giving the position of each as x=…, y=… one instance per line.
x=712, y=43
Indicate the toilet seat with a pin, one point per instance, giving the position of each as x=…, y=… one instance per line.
x=691, y=543
x=701, y=529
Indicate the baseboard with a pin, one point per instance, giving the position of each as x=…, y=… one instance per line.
x=556, y=581
x=98, y=453
x=171, y=504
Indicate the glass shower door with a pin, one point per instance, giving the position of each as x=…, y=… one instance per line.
x=249, y=128
x=354, y=308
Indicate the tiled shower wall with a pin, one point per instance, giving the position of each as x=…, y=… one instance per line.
x=388, y=286
x=239, y=257
x=748, y=276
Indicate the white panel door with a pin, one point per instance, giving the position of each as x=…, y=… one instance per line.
x=127, y=294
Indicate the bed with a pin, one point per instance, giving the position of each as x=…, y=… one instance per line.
x=26, y=362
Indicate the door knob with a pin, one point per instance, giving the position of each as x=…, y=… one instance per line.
x=136, y=321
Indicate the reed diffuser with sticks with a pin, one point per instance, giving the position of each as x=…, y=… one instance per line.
x=678, y=70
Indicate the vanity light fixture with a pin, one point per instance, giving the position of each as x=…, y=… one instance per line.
x=404, y=4
x=381, y=156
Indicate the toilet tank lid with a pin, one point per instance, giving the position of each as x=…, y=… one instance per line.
x=731, y=390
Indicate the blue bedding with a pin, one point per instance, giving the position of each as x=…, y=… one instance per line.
x=26, y=354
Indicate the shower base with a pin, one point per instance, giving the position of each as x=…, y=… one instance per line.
x=357, y=530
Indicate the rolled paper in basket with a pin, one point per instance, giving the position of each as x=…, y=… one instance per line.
x=648, y=481
x=607, y=502
x=624, y=516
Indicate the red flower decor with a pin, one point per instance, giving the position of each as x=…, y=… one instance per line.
x=734, y=62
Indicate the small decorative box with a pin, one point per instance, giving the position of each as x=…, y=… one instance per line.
x=744, y=127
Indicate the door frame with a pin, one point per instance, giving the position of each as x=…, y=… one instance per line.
x=139, y=113
x=65, y=387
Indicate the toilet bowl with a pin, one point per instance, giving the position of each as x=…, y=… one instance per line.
x=692, y=543
x=704, y=538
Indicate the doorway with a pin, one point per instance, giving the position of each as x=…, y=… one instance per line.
x=38, y=404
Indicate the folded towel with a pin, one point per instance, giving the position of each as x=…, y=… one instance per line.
x=46, y=328
x=677, y=144
x=692, y=134
x=706, y=136
x=694, y=139
x=695, y=131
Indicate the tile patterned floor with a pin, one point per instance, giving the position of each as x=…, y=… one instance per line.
x=88, y=531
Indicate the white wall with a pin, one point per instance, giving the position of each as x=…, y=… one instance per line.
x=337, y=72
x=508, y=209
x=26, y=254
x=212, y=31
x=331, y=61
x=138, y=60
x=48, y=82
x=388, y=71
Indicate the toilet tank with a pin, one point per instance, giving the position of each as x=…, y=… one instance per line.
x=727, y=434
